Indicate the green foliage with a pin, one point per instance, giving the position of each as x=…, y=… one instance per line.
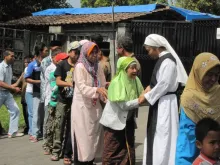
x=205, y=6
x=101, y=3
x=4, y=117
x=13, y=9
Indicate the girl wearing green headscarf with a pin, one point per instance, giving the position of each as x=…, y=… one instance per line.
x=118, y=116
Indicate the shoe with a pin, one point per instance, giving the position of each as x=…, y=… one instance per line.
x=34, y=139
x=15, y=134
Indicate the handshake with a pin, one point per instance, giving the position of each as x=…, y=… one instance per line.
x=142, y=100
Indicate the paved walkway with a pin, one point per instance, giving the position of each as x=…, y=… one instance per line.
x=19, y=151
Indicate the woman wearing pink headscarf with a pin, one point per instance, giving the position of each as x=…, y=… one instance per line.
x=89, y=78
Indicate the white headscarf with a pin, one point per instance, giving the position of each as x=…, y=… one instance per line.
x=82, y=42
x=156, y=40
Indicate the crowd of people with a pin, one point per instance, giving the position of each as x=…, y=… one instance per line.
x=71, y=102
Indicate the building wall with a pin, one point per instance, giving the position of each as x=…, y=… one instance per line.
x=80, y=32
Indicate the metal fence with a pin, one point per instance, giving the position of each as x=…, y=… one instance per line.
x=187, y=38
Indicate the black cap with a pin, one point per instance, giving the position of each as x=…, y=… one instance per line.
x=105, y=48
x=55, y=43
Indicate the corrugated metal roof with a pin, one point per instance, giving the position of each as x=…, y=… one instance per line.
x=99, y=10
x=188, y=14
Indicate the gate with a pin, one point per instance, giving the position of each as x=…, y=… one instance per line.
x=22, y=43
x=14, y=39
x=204, y=36
x=187, y=38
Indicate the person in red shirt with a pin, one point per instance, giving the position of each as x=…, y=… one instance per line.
x=208, y=141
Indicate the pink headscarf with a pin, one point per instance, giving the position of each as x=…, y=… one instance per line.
x=92, y=68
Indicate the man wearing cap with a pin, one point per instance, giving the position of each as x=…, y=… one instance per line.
x=54, y=45
x=6, y=97
x=163, y=119
x=64, y=81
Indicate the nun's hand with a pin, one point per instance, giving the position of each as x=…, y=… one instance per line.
x=148, y=89
x=103, y=92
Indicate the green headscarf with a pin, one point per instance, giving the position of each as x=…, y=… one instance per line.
x=123, y=88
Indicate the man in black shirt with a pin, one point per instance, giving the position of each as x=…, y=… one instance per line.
x=64, y=80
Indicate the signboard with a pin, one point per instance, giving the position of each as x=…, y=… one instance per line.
x=218, y=33
x=55, y=29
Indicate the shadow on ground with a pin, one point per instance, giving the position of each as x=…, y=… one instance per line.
x=138, y=144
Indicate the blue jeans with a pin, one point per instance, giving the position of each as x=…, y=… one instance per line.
x=36, y=115
x=29, y=101
x=7, y=99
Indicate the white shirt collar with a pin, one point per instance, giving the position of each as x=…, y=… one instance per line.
x=163, y=53
x=5, y=64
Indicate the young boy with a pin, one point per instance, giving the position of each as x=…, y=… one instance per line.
x=49, y=79
x=208, y=141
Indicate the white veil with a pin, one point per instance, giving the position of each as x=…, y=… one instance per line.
x=156, y=40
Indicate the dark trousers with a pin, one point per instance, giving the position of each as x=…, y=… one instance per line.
x=1, y=129
x=25, y=115
x=68, y=146
x=61, y=128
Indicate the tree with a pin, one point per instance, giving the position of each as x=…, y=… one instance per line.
x=101, y=3
x=206, y=6
x=14, y=9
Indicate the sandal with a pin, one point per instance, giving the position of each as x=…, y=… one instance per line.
x=46, y=151
x=54, y=158
x=67, y=161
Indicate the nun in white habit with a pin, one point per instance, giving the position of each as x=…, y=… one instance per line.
x=163, y=119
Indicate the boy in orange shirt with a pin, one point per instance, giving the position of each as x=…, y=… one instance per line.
x=208, y=141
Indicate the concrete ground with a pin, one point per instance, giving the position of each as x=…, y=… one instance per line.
x=20, y=151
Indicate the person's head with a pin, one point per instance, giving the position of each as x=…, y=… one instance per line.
x=31, y=57
x=27, y=60
x=154, y=44
x=90, y=51
x=41, y=50
x=55, y=44
x=206, y=68
x=124, y=45
x=54, y=54
x=96, y=38
x=129, y=65
x=208, y=137
x=104, y=50
x=74, y=51
x=9, y=56
x=60, y=57
x=100, y=55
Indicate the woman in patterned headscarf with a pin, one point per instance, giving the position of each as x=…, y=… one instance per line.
x=86, y=108
x=200, y=99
